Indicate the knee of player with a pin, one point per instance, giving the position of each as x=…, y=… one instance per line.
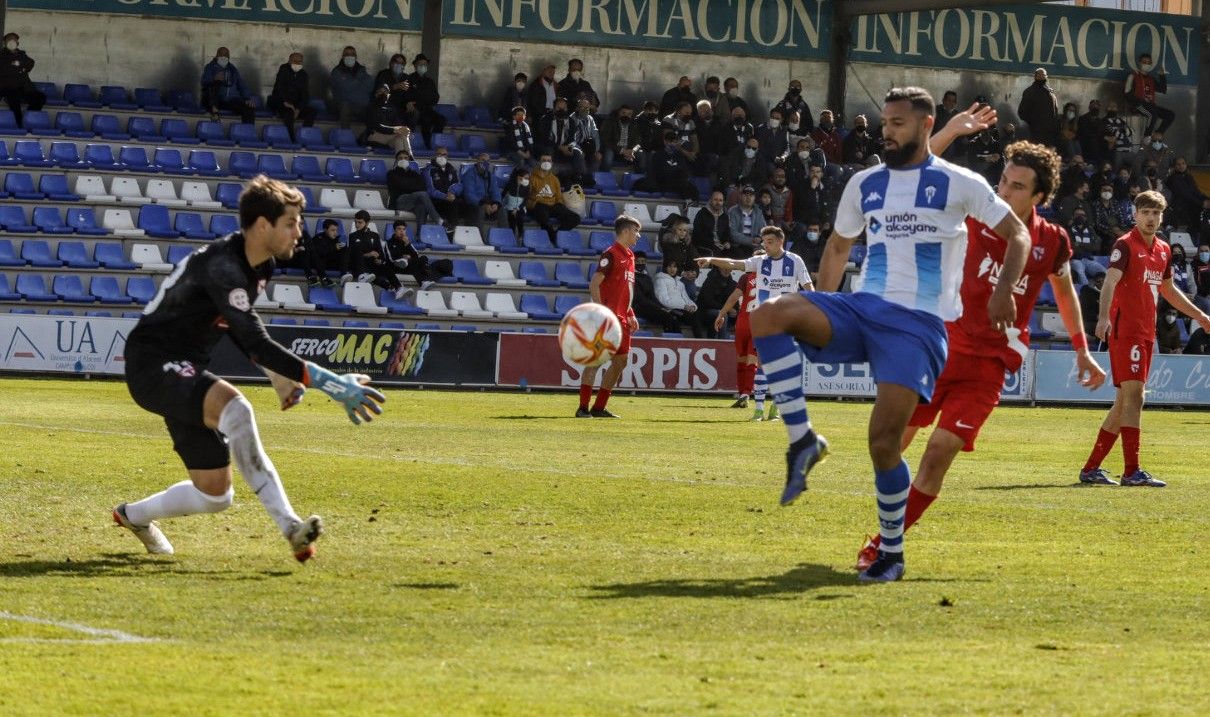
x=765, y=319
x=885, y=447
x=219, y=503
x=236, y=414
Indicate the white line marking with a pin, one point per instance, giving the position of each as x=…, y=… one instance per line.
x=100, y=635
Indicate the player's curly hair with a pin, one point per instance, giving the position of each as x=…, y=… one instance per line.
x=1150, y=199
x=268, y=198
x=1043, y=160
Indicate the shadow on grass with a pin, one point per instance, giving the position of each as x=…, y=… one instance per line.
x=1033, y=486
x=428, y=586
x=737, y=419
x=804, y=578
x=123, y=565
x=532, y=418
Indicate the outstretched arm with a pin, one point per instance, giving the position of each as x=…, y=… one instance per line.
x=974, y=120
x=722, y=263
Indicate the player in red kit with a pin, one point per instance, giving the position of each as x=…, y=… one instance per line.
x=613, y=286
x=1139, y=273
x=746, y=361
x=979, y=355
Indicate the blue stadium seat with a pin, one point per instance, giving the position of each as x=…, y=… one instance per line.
x=141, y=289
x=135, y=158
x=242, y=164
x=22, y=311
x=434, y=236
x=397, y=306
x=107, y=127
x=53, y=97
x=538, y=309
x=84, y=221
x=306, y=167
x=345, y=141
x=144, y=129
x=228, y=194
x=75, y=255
x=63, y=312
x=153, y=219
x=534, y=330
x=326, y=300
x=21, y=186
x=169, y=161
x=185, y=102
x=505, y=241
x=80, y=96
x=450, y=113
x=111, y=256
x=71, y=124
x=392, y=325
x=473, y=144
x=1036, y=331
x=151, y=100
x=282, y=321
x=313, y=139
x=607, y=185
x=8, y=124
x=5, y=293
x=213, y=134
x=318, y=323
x=247, y=135
x=71, y=289
x=1103, y=261
x=340, y=169
x=570, y=275
x=54, y=186
x=313, y=205
x=204, y=163
x=49, y=221
x=467, y=272
x=274, y=166
x=28, y=152
x=563, y=304
x=601, y=212
x=65, y=154
x=190, y=225
x=1046, y=297
x=223, y=224
x=373, y=171
x=278, y=137
x=105, y=289
x=177, y=253
x=480, y=116
x=537, y=241
x=98, y=314
x=33, y=288
x=116, y=97
x=38, y=122
x=100, y=156
x=177, y=131
x=5, y=159
x=534, y=274
x=450, y=142
x=355, y=324
x=572, y=242
x=8, y=255
x=419, y=327
x=644, y=245
x=12, y=218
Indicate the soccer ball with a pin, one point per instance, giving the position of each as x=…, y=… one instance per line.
x=589, y=335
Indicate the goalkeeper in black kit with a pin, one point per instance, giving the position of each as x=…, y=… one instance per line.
x=209, y=294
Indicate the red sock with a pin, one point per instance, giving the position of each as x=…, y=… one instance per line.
x=1130, y=448
x=746, y=373
x=917, y=503
x=1100, y=449
x=602, y=399
x=585, y=395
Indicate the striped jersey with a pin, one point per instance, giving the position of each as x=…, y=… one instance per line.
x=775, y=277
x=914, y=219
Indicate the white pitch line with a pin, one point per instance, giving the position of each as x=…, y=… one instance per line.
x=100, y=635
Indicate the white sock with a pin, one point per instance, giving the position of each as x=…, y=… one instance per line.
x=177, y=500
x=238, y=423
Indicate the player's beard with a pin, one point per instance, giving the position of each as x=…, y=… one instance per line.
x=896, y=158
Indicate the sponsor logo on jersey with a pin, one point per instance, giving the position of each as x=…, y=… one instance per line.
x=875, y=225
x=1153, y=276
x=992, y=268
x=905, y=224
x=1039, y=252
x=238, y=298
x=1117, y=254
x=874, y=197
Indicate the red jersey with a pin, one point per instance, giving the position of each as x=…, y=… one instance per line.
x=617, y=288
x=973, y=333
x=747, y=299
x=1144, y=268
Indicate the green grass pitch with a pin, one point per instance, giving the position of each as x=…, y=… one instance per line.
x=488, y=554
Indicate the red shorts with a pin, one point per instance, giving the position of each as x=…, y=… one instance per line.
x=744, y=346
x=624, y=346
x=967, y=390
x=1130, y=358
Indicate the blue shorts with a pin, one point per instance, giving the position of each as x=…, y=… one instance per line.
x=902, y=346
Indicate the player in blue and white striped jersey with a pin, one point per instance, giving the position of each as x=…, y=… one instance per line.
x=912, y=211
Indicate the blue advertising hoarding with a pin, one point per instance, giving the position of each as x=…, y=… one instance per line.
x=1175, y=380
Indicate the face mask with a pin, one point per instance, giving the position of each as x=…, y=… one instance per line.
x=546, y=166
x=812, y=236
x=421, y=69
x=774, y=123
x=860, y=129
x=803, y=154
x=11, y=44
x=523, y=182
x=738, y=121
x=222, y=61
x=1170, y=319
x=349, y=60
x=1203, y=256
x=825, y=126
x=1078, y=221
x=296, y=67
x=749, y=152
x=441, y=161
x=397, y=68
x=520, y=85
x=1157, y=145
x=1145, y=67
x=1106, y=195
x=795, y=90
x=733, y=92
x=576, y=75
x=401, y=163
x=1111, y=113
x=793, y=126
x=1069, y=114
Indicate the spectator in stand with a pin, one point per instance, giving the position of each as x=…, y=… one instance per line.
x=810, y=248
x=590, y=139
x=620, y=142
x=781, y=212
x=1199, y=343
x=540, y=98
x=1039, y=108
x=444, y=186
x=734, y=101
x=650, y=131
x=669, y=171
x=384, y=126
x=764, y=202
x=677, y=95
x=291, y=96
x=325, y=252
x=745, y=221
x=1157, y=152
x=812, y=200
x=1069, y=125
x=688, y=277
x=1203, y=231
x=1106, y=219
x=956, y=151
x=1071, y=177
x=1091, y=133
x=518, y=139
x=403, y=255
x=711, y=231
x=1068, y=205
x=223, y=88
x=1167, y=333
x=713, y=95
x=574, y=86
x=559, y=137
x=675, y=300
x=796, y=129
x=860, y=148
x=368, y=256
x=681, y=123
x=1085, y=245
x=795, y=102
x=1118, y=136
x=1182, y=276
x=798, y=165
x=351, y=87
x=516, y=192
x=645, y=303
x=422, y=101
x=545, y=202
x=1201, y=277
x=714, y=292
x=15, y=85
x=1141, y=88
x=742, y=166
x=735, y=135
x=675, y=241
x=1090, y=309
x=483, y=194
x=828, y=138
x=985, y=154
x=395, y=76
x=709, y=139
x=774, y=138
x=514, y=96
x=1187, y=199
x=407, y=190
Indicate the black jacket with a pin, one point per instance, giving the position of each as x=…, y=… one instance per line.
x=710, y=232
x=403, y=180
x=14, y=69
x=572, y=89
x=423, y=92
x=673, y=97
x=361, y=242
x=715, y=289
x=388, y=78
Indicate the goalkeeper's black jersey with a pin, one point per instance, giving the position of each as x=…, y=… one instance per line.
x=209, y=294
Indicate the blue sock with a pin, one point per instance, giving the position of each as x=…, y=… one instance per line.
x=782, y=362
x=760, y=387
x=892, y=487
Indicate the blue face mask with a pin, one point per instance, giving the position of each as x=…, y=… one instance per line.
x=1203, y=255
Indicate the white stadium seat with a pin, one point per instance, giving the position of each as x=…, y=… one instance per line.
x=1174, y=238
x=291, y=298
x=663, y=211
x=692, y=211
x=126, y=189
x=639, y=211
x=148, y=257
x=198, y=195
x=337, y=200
x=360, y=295
x=264, y=302
x=467, y=304
x=162, y=191
x=92, y=188
x=470, y=239
x=503, y=307
x=120, y=222
x=502, y=272
x=371, y=201
x=434, y=304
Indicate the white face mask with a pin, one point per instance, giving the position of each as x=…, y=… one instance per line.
x=523, y=182
x=1145, y=67
x=1106, y=195
x=11, y=44
x=397, y=68
x=295, y=66
x=576, y=74
x=421, y=69
x=774, y=123
x=441, y=161
x=546, y=166
x=1169, y=319
x=520, y=85
x=401, y=163
x=793, y=126
x=349, y=60
x=1070, y=114
x=222, y=61
x=812, y=236
x=1157, y=145
x=749, y=152
x=733, y=92
x=803, y=154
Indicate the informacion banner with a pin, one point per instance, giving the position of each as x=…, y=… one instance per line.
x=1175, y=380
x=63, y=344
x=655, y=365
x=856, y=381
